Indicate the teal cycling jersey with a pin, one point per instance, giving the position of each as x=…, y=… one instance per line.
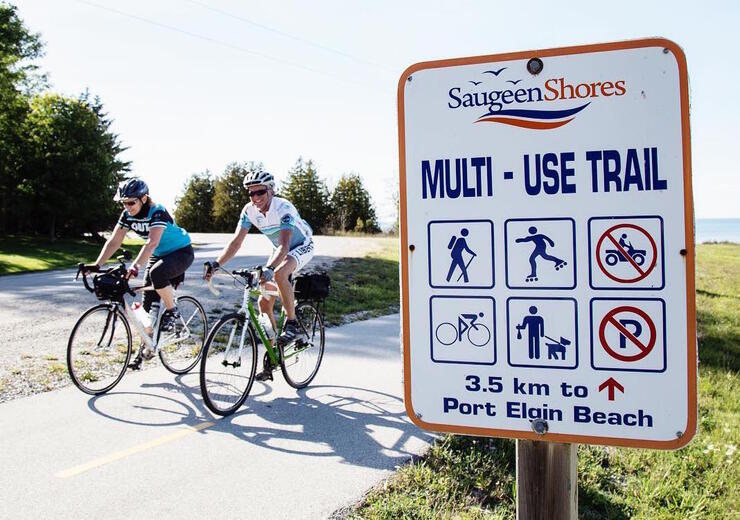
x=281, y=215
x=156, y=216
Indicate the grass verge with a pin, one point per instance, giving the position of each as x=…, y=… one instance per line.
x=22, y=254
x=364, y=287
x=474, y=478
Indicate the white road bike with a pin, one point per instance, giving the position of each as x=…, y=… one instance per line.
x=100, y=345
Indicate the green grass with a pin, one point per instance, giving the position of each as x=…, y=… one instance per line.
x=22, y=254
x=471, y=478
x=366, y=285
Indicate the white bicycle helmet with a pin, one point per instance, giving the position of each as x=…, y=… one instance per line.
x=261, y=177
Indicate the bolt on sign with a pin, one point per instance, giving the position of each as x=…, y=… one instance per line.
x=547, y=245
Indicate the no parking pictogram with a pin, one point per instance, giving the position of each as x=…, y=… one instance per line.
x=637, y=346
x=615, y=248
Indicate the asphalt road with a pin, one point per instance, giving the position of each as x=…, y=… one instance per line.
x=149, y=448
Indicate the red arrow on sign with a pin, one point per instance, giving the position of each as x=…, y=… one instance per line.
x=611, y=384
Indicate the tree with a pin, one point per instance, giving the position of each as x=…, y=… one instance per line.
x=195, y=206
x=229, y=195
x=71, y=168
x=352, y=209
x=308, y=193
x=18, y=48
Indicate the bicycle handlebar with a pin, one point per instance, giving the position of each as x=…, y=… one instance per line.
x=251, y=276
x=82, y=269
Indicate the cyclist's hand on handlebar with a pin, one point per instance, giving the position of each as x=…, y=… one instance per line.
x=89, y=268
x=268, y=274
x=132, y=272
x=209, y=269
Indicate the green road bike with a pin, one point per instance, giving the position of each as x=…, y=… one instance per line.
x=229, y=362
x=100, y=345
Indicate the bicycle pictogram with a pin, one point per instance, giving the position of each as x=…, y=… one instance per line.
x=477, y=334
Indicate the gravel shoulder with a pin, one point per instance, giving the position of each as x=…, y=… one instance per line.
x=38, y=310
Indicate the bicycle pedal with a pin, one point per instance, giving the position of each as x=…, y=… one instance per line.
x=265, y=375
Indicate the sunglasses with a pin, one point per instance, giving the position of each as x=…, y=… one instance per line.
x=129, y=202
x=257, y=193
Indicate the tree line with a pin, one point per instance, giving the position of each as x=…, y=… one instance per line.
x=213, y=204
x=59, y=165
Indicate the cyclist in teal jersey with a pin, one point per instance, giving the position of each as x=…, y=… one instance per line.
x=167, y=252
x=291, y=237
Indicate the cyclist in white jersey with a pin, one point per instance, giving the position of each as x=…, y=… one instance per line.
x=291, y=236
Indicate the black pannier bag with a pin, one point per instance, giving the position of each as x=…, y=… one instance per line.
x=110, y=286
x=312, y=286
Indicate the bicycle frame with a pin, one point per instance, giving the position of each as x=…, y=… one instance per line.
x=129, y=314
x=252, y=291
x=248, y=309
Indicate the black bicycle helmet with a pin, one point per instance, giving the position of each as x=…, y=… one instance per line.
x=261, y=177
x=132, y=189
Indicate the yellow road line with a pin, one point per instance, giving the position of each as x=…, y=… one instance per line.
x=118, y=455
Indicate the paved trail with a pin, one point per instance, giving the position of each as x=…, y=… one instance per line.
x=150, y=449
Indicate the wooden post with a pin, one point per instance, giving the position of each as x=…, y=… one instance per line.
x=546, y=480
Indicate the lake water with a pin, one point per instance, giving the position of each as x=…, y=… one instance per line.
x=717, y=230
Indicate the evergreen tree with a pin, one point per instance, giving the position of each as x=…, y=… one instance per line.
x=71, y=168
x=308, y=193
x=352, y=208
x=229, y=195
x=18, y=48
x=195, y=206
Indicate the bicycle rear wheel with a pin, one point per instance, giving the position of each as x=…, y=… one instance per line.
x=228, y=364
x=300, y=359
x=99, y=349
x=180, y=349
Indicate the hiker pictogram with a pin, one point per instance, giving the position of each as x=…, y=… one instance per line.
x=458, y=247
x=461, y=254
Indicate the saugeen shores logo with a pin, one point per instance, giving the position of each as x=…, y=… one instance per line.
x=508, y=103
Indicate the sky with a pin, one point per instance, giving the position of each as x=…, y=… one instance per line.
x=192, y=85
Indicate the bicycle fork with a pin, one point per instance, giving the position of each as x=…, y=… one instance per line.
x=111, y=313
x=238, y=362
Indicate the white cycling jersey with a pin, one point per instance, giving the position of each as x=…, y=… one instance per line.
x=281, y=215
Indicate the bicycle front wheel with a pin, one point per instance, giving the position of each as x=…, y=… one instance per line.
x=228, y=364
x=180, y=349
x=99, y=349
x=300, y=359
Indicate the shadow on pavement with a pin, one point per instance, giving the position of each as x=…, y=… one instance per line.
x=363, y=427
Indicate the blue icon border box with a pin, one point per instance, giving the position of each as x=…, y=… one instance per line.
x=539, y=287
x=429, y=255
x=431, y=330
x=508, y=333
x=665, y=337
x=661, y=252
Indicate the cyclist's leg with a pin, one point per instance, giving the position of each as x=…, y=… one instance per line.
x=297, y=258
x=266, y=303
x=148, y=299
x=285, y=287
x=149, y=296
x=170, y=266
